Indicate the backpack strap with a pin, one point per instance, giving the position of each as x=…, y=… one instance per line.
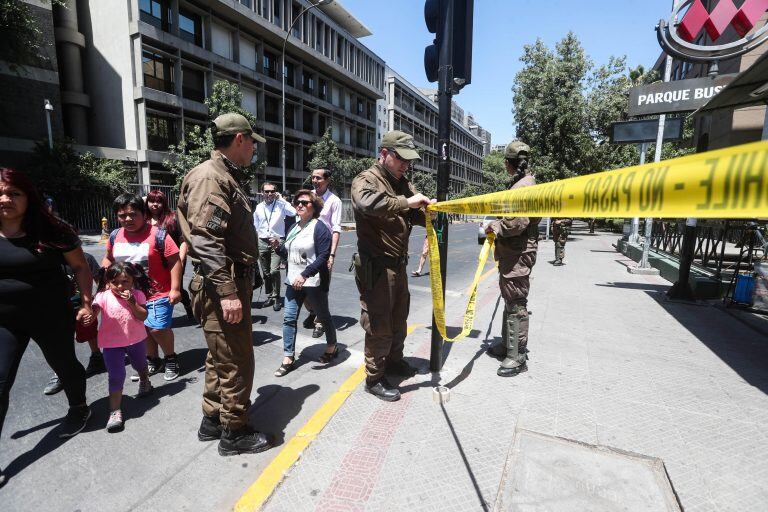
x=112, y=237
x=160, y=235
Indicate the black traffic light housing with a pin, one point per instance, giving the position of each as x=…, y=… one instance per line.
x=451, y=22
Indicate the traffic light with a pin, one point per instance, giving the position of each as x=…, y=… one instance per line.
x=451, y=22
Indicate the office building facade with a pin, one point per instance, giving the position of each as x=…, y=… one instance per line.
x=405, y=107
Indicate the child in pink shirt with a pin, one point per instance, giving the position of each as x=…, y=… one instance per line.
x=121, y=299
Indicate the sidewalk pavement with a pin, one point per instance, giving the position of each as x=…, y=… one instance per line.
x=612, y=363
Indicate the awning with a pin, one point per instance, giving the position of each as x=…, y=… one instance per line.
x=750, y=87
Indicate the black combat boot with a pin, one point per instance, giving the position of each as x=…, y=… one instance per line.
x=383, y=390
x=515, y=361
x=243, y=440
x=210, y=429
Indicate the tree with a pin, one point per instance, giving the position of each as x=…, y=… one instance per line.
x=197, y=144
x=424, y=182
x=67, y=176
x=325, y=154
x=564, y=107
x=20, y=34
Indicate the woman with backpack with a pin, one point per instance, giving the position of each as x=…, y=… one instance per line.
x=138, y=241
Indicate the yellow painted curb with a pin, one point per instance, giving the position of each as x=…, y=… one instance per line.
x=265, y=485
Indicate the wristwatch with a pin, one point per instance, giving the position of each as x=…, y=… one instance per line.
x=332, y=255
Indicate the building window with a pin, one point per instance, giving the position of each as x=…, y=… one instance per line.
x=322, y=125
x=276, y=8
x=155, y=12
x=290, y=117
x=270, y=65
x=307, y=82
x=161, y=132
x=158, y=72
x=308, y=121
x=271, y=109
x=290, y=158
x=193, y=84
x=323, y=92
x=360, y=110
x=247, y=3
x=273, y=153
x=191, y=27
x=290, y=73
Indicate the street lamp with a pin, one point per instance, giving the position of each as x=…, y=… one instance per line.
x=282, y=72
x=48, y=110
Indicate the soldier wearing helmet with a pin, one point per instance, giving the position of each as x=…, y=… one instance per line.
x=516, y=246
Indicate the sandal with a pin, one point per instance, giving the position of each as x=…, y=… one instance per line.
x=285, y=369
x=415, y=273
x=327, y=357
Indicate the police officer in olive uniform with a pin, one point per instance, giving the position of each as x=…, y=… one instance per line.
x=386, y=206
x=561, y=229
x=516, y=246
x=217, y=223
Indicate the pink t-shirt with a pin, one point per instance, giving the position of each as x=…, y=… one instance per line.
x=118, y=327
x=140, y=248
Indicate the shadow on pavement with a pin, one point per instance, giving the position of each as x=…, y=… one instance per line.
x=637, y=286
x=746, y=355
x=263, y=337
x=343, y=323
x=132, y=408
x=259, y=319
x=276, y=406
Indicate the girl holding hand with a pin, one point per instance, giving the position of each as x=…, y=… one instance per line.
x=121, y=299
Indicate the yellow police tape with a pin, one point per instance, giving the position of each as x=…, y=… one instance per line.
x=726, y=183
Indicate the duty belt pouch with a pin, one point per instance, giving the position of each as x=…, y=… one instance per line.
x=367, y=271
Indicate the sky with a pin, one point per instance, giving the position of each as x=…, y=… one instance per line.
x=501, y=29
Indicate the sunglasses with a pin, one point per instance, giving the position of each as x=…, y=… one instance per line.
x=302, y=202
x=270, y=191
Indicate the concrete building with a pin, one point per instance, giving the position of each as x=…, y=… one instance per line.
x=151, y=66
x=24, y=91
x=498, y=148
x=478, y=131
x=405, y=107
x=722, y=128
x=131, y=78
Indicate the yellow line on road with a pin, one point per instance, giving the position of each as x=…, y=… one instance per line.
x=264, y=486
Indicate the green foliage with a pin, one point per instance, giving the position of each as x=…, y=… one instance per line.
x=424, y=182
x=65, y=175
x=198, y=143
x=564, y=107
x=20, y=34
x=324, y=154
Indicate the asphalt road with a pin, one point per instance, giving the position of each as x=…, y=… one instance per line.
x=157, y=463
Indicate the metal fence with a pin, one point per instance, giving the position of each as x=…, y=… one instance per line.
x=718, y=245
x=86, y=213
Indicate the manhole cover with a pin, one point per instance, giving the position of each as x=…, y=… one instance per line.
x=552, y=474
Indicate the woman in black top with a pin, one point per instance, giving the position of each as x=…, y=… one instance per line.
x=34, y=294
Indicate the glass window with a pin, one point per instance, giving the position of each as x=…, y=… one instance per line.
x=161, y=132
x=307, y=82
x=270, y=67
x=247, y=3
x=271, y=109
x=308, y=118
x=191, y=27
x=290, y=73
x=323, y=92
x=193, y=84
x=158, y=72
x=276, y=8
x=273, y=153
x=290, y=112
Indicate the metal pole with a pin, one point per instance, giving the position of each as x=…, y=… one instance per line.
x=48, y=109
x=445, y=93
x=656, y=158
x=635, y=234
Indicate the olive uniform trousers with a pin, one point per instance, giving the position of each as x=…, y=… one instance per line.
x=229, y=365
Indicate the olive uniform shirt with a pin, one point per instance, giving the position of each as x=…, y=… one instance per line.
x=382, y=215
x=515, y=236
x=216, y=221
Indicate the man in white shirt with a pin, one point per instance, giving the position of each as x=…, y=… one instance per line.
x=331, y=217
x=269, y=220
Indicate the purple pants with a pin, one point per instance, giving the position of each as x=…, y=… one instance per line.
x=114, y=360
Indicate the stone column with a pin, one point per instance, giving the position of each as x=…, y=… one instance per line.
x=69, y=44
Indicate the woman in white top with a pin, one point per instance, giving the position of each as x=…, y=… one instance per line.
x=307, y=247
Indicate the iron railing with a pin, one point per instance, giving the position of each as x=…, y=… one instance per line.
x=718, y=241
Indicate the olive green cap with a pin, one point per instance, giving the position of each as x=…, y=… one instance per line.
x=516, y=147
x=232, y=124
x=402, y=143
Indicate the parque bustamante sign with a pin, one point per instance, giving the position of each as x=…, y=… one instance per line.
x=690, y=19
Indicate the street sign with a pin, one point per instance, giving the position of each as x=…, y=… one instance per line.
x=645, y=130
x=678, y=96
